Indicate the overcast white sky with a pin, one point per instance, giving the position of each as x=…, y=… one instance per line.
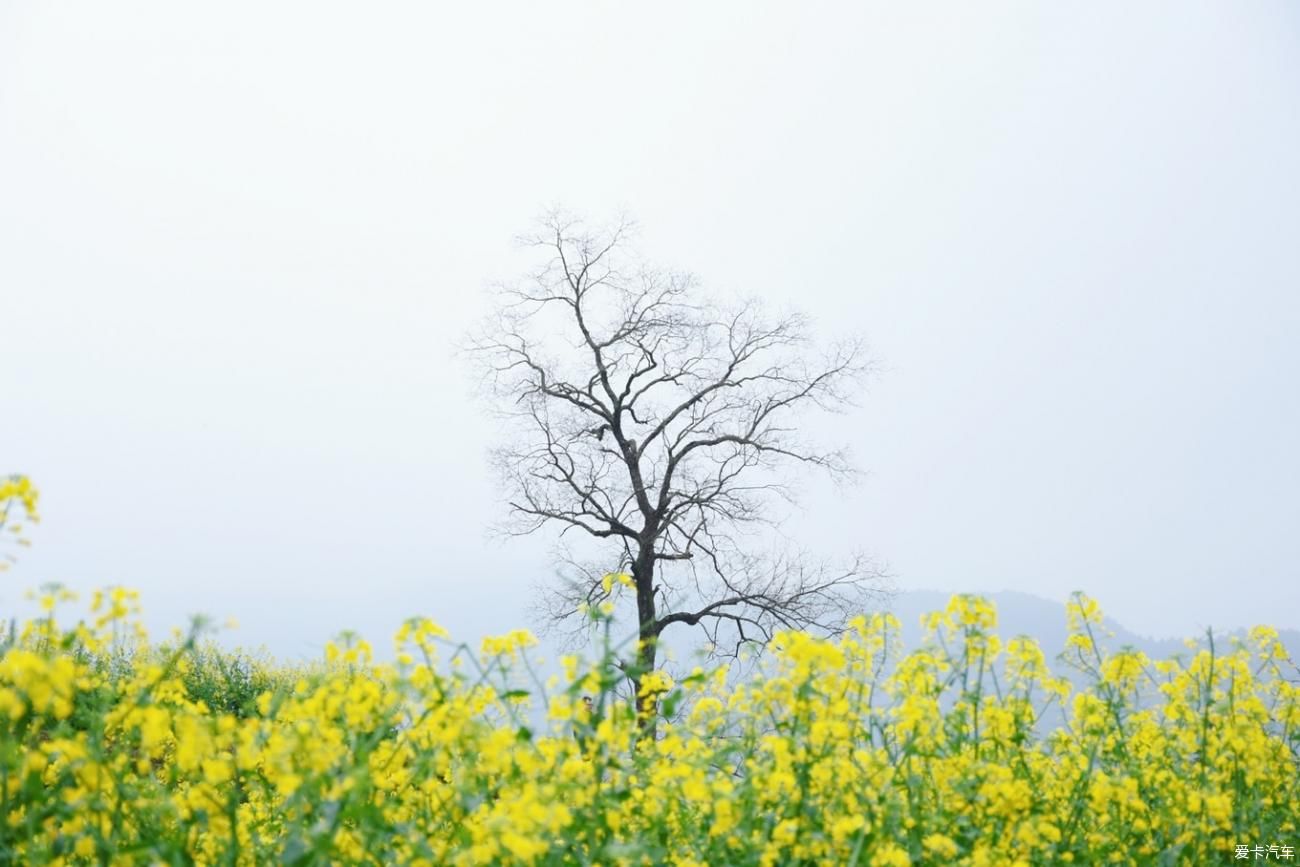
x=239, y=240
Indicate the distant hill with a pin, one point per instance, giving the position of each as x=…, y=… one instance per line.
x=1045, y=620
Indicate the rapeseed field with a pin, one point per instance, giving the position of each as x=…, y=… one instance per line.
x=115, y=750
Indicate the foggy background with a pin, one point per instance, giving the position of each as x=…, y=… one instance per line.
x=239, y=243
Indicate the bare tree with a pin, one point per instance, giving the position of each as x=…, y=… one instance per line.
x=663, y=425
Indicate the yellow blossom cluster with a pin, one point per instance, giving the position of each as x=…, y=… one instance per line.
x=18, y=498
x=19, y=491
x=838, y=751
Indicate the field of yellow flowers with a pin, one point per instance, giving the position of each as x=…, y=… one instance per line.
x=117, y=751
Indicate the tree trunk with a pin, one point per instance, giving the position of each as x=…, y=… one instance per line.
x=647, y=633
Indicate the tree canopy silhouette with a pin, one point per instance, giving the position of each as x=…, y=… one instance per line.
x=646, y=416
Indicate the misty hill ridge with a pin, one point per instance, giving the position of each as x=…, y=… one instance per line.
x=1027, y=614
